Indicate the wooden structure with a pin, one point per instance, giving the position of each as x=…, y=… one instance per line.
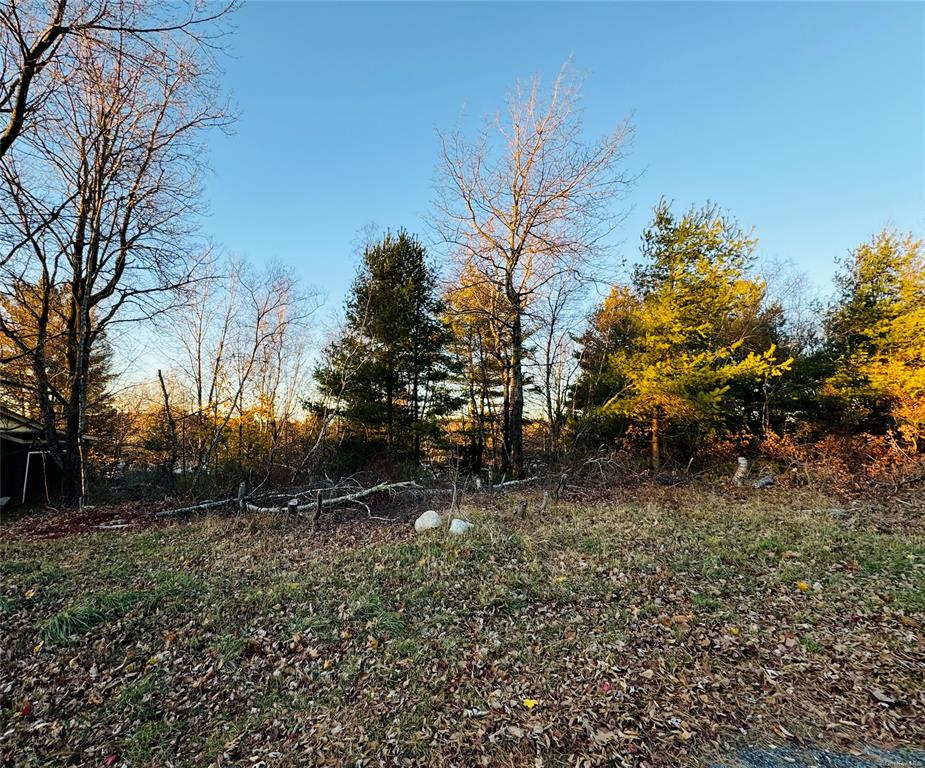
x=27, y=473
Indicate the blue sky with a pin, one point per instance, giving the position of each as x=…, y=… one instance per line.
x=806, y=121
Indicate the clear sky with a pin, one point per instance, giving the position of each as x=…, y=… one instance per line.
x=805, y=121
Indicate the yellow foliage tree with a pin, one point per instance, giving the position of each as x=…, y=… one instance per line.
x=693, y=312
x=877, y=334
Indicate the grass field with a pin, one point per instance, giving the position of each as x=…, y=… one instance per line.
x=657, y=633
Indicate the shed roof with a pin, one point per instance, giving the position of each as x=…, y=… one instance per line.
x=16, y=427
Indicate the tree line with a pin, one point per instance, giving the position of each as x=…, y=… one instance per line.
x=689, y=351
x=483, y=353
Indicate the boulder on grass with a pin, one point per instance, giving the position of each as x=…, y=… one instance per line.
x=459, y=527
x=428, y=520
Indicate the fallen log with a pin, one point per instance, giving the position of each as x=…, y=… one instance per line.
x=194, y=508
x=265, y=510
x=333, y=502
x=515, y=483
x=337, y=500
x=316, y=505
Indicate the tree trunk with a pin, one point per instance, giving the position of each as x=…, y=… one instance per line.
x=506, y=422
x=415, y=417
x=82, y=383
x=46, y=406
x=656, y=448
x=70, y=470
x=388, y=411
x=517, y=397
x=475, y=425
x=415, y=396
x=171, y=430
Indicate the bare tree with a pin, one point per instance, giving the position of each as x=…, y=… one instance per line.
x=102, y=208
x=480, y=340
x=799, y=300
x=279, y=383
x=526, y=203
x=41, y=45
x=171, y=427
x=242, y=341
x=557, y=319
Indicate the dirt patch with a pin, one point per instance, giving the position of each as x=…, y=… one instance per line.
x=52, y=523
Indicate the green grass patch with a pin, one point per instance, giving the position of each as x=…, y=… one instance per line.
x=318, y=626
x=370, y=610
x=10, y=567
x=152, y=742
x=94, y=609
x=810, y=645
x=705, y=602
x=140, y=698
x=910, y=600
x=883, y=556
x=99, y=607
x=9, y=604
x=231, y=648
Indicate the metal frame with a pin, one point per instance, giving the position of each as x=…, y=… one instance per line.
x=25, y=479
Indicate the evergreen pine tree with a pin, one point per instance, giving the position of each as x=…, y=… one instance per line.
x=397, y=338
x=684, y=330
x=875, y=337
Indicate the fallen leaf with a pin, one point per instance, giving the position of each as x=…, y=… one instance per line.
x=882, y=696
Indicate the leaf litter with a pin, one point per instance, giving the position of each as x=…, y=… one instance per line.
x=656, y=633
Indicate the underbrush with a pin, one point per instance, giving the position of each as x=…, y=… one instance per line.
x=848, y=466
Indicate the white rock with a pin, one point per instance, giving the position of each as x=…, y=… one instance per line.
x=428, y=520
x=460, y=527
